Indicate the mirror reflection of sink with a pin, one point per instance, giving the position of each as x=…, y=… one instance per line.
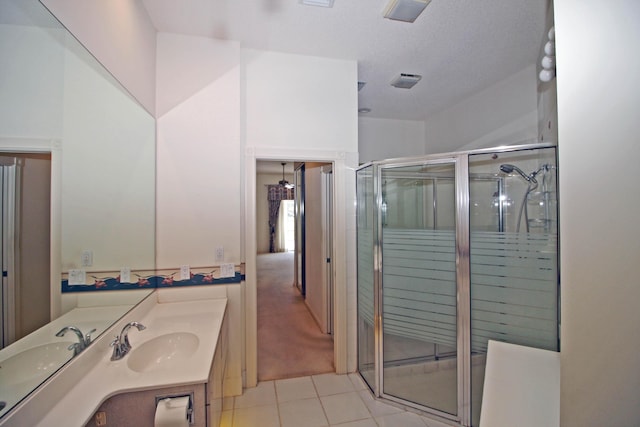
x=34, y=364
x=163, y=352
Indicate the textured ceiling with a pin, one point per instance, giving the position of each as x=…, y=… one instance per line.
x=459, y=46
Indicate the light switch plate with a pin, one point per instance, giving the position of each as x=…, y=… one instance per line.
x=185, y=272
x=220, y=254
x=87, y=258
x=125, y=275
x=77, y=277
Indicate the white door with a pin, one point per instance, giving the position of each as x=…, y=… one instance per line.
x=9, y=185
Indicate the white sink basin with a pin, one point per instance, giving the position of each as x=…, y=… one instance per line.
x=35, y=364
x=163, y=352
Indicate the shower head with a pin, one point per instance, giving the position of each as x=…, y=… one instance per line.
x=507, y=168
x=510, y=168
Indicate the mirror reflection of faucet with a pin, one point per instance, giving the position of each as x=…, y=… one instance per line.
x=120, y=344
x=83, y=340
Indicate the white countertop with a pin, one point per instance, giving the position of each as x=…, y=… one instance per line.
x=107, y=378
x=98, y=318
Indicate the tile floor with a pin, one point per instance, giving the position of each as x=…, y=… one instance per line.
x=316, y=401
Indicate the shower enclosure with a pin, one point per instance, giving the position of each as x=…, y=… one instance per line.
x=454, y=250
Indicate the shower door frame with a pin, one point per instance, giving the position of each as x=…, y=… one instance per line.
x=463, y=356
x=460, y=160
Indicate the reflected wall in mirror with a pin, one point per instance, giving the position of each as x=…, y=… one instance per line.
x=57, y=101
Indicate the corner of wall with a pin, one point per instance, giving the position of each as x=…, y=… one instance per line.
x=128, y=53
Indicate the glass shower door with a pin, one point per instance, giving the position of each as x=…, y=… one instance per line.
x=513, y=256
x=454, y=250
x=419, y=285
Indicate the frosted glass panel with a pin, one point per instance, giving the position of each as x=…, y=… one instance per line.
x=419, y=286
x=513, y=255
x=514, y=289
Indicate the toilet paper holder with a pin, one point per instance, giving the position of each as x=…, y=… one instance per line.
x=190, y=413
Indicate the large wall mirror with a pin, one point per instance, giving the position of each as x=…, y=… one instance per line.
x=67, y=122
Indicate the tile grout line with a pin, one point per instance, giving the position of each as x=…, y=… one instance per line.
x=324, y=411
x=275, y=392
x=354, y=390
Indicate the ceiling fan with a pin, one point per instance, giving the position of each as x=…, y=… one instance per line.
x=284, y=183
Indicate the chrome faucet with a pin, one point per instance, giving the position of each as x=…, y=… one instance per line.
x=120, y=344
x=83, y=340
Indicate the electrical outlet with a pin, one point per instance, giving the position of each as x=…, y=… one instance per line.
x=87, y=258
x=125, y=275
x=101, y=418
x=185, y=272
x=77, y=277
x=227, y=270
x=220, y=254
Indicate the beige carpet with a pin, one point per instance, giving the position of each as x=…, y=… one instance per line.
x=290, y=343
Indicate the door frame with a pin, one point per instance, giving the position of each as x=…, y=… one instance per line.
x=299, y=262
x=327, y=241
x=54, y=147
x=340, y=196
x=10, y=189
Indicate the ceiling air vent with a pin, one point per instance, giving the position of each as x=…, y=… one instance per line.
x=406, y=81
x=405, y=10
x=321, y=3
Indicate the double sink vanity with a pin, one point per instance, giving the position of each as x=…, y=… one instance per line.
x=176, y=342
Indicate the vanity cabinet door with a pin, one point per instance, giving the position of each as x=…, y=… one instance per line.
x=215, y=386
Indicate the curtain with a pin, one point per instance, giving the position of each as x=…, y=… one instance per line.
x=275, y=193
x=279, y=241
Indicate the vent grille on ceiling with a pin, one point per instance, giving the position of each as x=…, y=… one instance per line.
x=406, y=81
x=322, y=3
x=405, y=10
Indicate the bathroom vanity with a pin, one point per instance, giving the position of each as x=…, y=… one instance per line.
x=181, y=351
x=138, y=408
x=28, y=362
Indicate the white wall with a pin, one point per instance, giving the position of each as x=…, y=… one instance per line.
x=504, y=113
x=107, y=178
x=199, y=174
x=120, y=35
x=198, y=152
x=178, y=76
x=295, y=101
x=35, y=107
x=198, y=182
x=598, y=111
x=108, y=171
x=380, y=139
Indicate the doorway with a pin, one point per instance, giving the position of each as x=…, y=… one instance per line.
x=294, y=303
x=25, y=251
x=286, y=232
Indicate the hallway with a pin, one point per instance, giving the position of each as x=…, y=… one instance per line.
x=290, y=343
